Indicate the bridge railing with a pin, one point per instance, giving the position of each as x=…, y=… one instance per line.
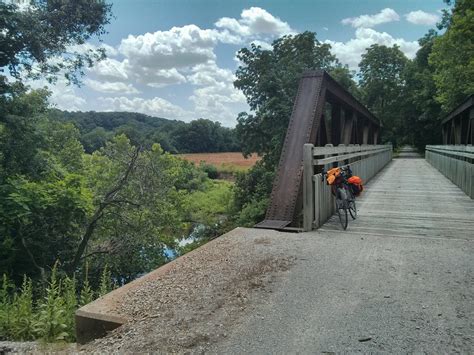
x=456, y=162
x=318, y=202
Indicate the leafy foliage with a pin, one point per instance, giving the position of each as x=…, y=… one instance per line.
x=121, y=206
x=452, y=57
x=269, y=80
x=108, y=213
x=382, y=85
x=251, y=194
x=424, y=111
x=48, y=29
x=174, y=136
x=210, y=204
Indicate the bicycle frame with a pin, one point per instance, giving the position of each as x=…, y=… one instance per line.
x=345, y=199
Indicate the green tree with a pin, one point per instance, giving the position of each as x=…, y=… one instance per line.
x=382, y=85
x=422, y=112
x=95, y=139
x=44, y=200
x=452, y=57
x=20, y=113
x=50, y=28
x=138, y=208
x=251, y=194
x=345, y=77
x=269, y=79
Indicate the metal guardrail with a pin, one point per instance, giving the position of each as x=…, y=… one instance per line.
x=318, y=202
x=456, y=162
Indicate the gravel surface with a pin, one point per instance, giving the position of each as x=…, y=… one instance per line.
x=33, y=347
x=201, y=297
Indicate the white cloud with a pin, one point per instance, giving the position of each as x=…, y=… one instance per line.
x=216, y=99
x=109, y=50
x=114, y=70
x=154, y=107
x=157, y=78
x=159, y=59
x=63, y=96
x=367, y=21
x=180, y=47
x=422, y=18
x=218, y=103
x=111, y=69
x=210, y=74
x=111, y=87
x=350, y=52
x=255, y=21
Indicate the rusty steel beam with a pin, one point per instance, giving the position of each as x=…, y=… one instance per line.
x=470, y=137
x=460, y=109
x=457, y=126
x=349, y=119
x=307, y=125
x=302, y=128
x=336, y=124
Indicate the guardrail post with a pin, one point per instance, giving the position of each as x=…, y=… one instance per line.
x=308, y=193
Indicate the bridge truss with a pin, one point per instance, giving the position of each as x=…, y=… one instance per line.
x=458, y=126
x=323, y=113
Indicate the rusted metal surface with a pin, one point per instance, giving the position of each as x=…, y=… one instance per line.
x=458, y=126
x=350, y=121
x=302, y=126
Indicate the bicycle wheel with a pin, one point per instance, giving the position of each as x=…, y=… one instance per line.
x=352, y=204
x=341, y=207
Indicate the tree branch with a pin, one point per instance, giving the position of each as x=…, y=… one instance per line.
x=99, y=213
x=95, y=253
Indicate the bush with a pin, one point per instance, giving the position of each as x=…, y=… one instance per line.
x=210, y=170
x=251, y=193
x=252, y=213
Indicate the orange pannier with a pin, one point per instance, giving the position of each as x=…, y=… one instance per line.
x=356, y=185
x=332, y=175
x=355, y=180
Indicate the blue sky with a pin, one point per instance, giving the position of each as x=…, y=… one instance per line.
x=176, y=59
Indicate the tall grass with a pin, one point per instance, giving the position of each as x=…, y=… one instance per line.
x=45, y=314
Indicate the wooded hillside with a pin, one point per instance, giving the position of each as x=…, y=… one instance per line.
x=198, y=136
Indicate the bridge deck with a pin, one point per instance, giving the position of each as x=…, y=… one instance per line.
x=410, y=198
x=400, y=279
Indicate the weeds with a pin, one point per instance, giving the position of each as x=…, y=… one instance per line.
x=49, y=317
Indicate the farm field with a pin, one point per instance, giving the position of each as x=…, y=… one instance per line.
x=224, y=162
